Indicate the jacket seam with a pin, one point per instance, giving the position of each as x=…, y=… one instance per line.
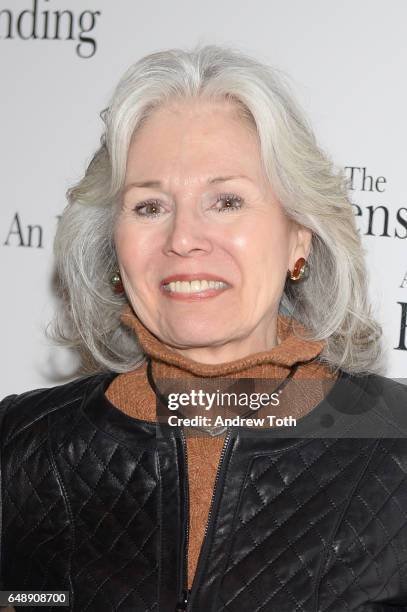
x=118, y=440
x=326, y=553
x=80, y=398
x=42, y=416
x=391, y=543
x=388, y=421
x=67, y=508
x=159, y=509
x=232, y=530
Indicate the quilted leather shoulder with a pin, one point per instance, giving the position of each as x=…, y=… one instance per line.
x=23, y=410
x=389, y=388
x=388, y=400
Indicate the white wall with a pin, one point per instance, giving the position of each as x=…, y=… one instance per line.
x=347, y=61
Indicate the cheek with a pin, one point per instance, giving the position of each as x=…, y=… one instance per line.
x=130, y=244
x=132, y=250
x=263, y=250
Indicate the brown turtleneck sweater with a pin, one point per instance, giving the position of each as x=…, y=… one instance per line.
x=132, y=394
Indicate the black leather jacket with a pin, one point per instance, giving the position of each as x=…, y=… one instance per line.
x=94, y=502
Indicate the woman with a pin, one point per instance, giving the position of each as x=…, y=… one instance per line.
x=210, y=241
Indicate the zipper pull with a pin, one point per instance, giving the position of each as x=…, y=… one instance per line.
x=182, y=605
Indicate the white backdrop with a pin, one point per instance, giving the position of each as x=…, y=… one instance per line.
x=348, y=65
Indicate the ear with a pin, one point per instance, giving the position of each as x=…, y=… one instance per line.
x=301, y=244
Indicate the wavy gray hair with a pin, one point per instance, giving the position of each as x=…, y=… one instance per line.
x=332, y=302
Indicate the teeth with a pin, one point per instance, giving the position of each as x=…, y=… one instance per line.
x=194, y=286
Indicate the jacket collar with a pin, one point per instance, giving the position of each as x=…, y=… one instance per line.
x=347, y=408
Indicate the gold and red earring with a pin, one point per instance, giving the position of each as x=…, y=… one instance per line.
x=300, y=270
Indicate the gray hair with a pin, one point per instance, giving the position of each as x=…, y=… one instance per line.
x=332, y=302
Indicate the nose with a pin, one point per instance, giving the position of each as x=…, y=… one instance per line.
x=187, y=234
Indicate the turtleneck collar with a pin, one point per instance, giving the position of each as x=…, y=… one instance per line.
x=292, y=350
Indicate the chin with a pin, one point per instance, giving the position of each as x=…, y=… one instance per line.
x=191, y=334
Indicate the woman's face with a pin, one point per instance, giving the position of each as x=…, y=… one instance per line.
x=197, y=206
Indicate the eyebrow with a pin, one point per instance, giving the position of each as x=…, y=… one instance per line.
x=158, y=184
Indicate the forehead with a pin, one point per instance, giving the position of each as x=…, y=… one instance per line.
x=193, y=133
x=185, y=110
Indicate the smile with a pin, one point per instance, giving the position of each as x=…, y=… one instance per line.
x=195, y=289
x=195, y=286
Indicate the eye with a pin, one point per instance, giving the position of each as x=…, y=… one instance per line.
x=149, y=208
x=228, y=202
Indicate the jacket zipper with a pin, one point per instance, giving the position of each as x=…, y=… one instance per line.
x=218, y=471
x=183, y=585
x=214, y=499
